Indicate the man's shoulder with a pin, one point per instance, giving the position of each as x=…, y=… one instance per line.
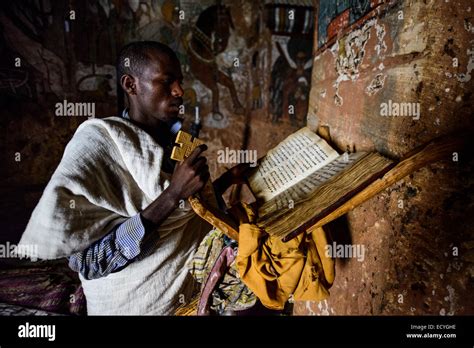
x=107, y=124
x=95, y=133
x=113, y=132
x=110, y=129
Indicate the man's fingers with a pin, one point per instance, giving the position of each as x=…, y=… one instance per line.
x=243, y=167
x=195, y=154
x=199, y=164
x=176, y=166
x=200, y=180
x=205, y=176
x=204, y=170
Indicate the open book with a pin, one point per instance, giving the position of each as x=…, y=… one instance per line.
x=295, y=185
x=303, y=178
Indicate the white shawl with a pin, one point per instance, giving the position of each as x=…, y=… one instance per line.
x=109, y=172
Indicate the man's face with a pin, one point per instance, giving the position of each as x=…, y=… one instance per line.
x=159, y=91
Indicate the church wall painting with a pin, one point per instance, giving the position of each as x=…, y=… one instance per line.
x=246, y=73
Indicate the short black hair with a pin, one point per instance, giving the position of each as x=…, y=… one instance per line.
x=134, y=56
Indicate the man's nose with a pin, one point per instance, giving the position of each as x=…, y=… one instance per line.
x=177, y=90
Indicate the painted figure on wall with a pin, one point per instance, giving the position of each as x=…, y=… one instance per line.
x=334, y=16
x=291, y=77
x=257, y=102
x=208, y=38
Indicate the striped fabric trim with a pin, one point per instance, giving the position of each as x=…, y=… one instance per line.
x=231, y=292
x=129, y=236
x=112, y=252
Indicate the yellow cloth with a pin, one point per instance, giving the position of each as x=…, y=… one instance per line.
x=275, y=270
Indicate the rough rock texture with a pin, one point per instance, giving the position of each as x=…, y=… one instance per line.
x=417, y=235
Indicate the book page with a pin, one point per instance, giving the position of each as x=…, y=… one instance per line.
x=303, y=189
x=291, y=161
x=283, y=220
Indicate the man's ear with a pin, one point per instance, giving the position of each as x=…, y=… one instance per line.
x=128, y=84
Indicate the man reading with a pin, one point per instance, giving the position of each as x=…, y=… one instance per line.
x=116, y=205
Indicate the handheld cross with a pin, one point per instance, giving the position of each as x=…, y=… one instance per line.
x=186, y=145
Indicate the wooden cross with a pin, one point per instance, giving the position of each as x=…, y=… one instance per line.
x=186, y=145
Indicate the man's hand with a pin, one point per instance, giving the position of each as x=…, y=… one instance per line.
x=190, y=176
x=235, y=175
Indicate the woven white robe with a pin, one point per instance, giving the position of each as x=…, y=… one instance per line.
x=110, y=171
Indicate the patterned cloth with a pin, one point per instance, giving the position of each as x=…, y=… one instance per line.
x=113, y=170
x=48, y=286
x=231, y=294
x=12, y=310
x=112, y=252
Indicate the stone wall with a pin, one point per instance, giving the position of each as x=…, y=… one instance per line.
x=417, y=235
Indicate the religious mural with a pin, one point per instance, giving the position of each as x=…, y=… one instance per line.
x=246, y=67
x=291, y=24
x=237, y=56
x=334, y=16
